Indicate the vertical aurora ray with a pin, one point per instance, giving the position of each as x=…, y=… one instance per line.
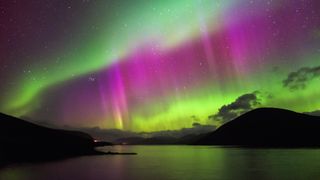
x=118, y=96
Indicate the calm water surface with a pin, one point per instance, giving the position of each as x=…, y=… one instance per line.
x=177, y=162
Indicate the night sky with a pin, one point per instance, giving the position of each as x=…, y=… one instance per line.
x=145, y=65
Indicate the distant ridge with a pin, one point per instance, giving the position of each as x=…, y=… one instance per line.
x=267, y=127
x=24, y=141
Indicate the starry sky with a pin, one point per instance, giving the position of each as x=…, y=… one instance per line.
x=157, y=65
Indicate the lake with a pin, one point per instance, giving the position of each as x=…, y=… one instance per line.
x=176, y=162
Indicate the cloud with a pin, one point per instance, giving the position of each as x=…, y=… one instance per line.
x=242, y=104
x=298, y=79
x=196, y=124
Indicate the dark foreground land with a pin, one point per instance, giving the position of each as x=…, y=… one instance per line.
x=259, y=128
x=267, y=127
x=21, y=141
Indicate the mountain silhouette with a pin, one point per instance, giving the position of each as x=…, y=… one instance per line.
x=267, y=127
x=24, y=141
x=160, y=140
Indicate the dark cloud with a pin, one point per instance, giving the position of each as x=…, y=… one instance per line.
x=242, y=104
x=196, y=124
x=299, y=79
x=313, y=113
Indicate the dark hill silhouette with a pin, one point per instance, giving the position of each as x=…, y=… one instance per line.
x=161, y=140
x=24, y=141
x=267, y=127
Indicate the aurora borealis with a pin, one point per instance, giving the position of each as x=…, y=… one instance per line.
x=155, y=65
